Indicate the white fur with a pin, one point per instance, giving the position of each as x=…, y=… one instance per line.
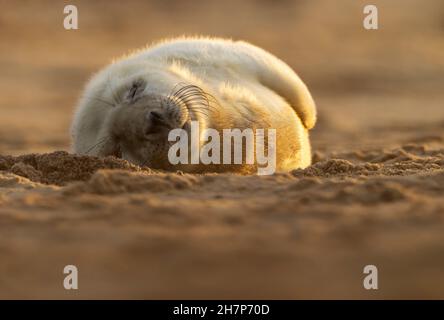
x=236, y=73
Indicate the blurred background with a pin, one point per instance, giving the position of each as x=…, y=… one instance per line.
x=384, y=86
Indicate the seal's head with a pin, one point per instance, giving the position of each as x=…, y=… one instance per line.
x=140, y=122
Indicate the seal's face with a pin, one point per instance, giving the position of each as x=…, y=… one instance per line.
x=140, y=123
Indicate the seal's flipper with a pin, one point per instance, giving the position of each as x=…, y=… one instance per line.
x=279, y=77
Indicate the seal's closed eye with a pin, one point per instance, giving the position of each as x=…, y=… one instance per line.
x=135, y=90
x=132, y=92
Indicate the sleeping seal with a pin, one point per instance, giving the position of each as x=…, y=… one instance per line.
x=128, y=108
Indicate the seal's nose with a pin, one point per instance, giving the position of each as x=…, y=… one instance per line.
x=156, y=117
x=155, y=122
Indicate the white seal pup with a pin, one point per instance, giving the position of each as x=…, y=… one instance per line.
x=128, y=108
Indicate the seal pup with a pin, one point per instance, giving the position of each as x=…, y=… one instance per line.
x=128, y=108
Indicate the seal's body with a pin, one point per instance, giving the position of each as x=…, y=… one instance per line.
x=129, y=107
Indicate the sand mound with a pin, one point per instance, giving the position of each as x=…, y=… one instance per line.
x=60, y=167
x=409, y=159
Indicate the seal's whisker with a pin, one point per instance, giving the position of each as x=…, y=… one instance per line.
x=195, y=99
x=198, y=103
x=180, y=91
x=190, y=96
x=189, y=88
x=199, y=112
x=100, y=100
x=184, y=97
x=202, y=104
x=199, y=96
x=172, y=92
x=100, y=142
x=191, y=92
x=207, y=96
x=199, y=108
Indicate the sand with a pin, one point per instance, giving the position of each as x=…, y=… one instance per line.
x=374, y=194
